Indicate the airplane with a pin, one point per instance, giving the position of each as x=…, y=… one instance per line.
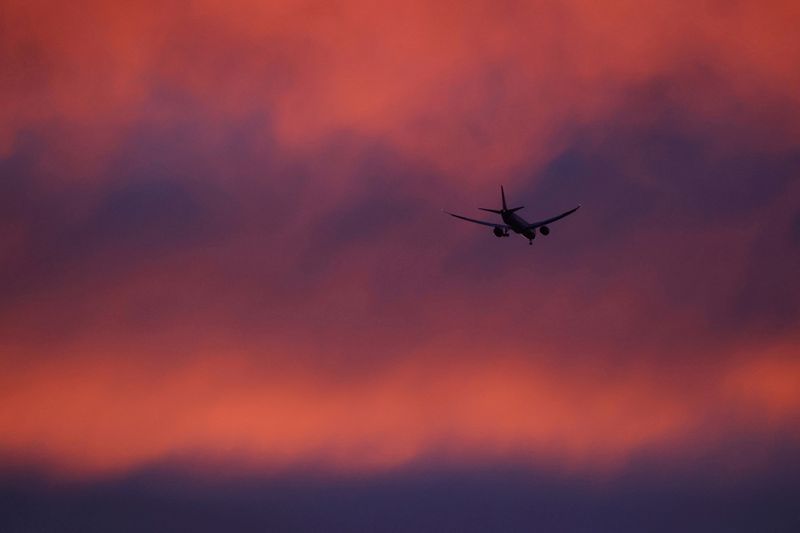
x=514, y=222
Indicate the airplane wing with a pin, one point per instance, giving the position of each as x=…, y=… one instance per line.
x=492, y=224
x=534, y=225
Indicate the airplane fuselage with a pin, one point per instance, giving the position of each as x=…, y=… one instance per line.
x=518, y=225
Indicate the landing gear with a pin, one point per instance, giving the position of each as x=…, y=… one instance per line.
x=530, y=242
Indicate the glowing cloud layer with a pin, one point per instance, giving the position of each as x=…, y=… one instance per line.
x=222, y=242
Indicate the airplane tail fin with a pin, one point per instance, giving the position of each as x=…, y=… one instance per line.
x=505, y=208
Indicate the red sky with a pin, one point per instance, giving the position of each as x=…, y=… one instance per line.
x=222, y=243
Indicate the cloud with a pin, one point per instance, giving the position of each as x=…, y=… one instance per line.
x=493, y=87
x=90, y=413
x=222, y=236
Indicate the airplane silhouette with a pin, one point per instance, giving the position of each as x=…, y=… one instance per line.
x=514, y=222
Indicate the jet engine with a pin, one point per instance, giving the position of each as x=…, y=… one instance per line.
x=499, y=232
x=544, y=230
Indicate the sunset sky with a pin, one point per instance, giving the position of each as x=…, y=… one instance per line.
x=230, y=300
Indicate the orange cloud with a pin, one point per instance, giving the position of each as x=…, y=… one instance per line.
x=99, y=414
x=470, y=90
x=474, y=88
